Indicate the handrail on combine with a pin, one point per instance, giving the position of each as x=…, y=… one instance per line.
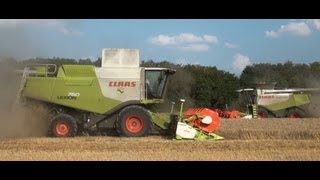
x=42, y=70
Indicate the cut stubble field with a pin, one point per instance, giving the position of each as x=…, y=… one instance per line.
x=248, y=140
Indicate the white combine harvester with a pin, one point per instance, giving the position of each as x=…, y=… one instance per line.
x=265, y=101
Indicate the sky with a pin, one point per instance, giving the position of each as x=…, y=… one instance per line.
x=228, y=44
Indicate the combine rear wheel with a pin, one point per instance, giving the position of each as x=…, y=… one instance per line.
x=295, y=113
x=62, y=125
x=133, y=121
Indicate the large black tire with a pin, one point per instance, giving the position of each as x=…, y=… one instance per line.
x=133, y=121
x=263, y=113
x=295, y=113
x=63, y=125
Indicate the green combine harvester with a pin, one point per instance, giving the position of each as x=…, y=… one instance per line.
x=89, y=99
x=264, y=101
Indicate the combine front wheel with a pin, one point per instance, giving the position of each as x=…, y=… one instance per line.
x=62, y=125
x=263, y=113
x=133, y=121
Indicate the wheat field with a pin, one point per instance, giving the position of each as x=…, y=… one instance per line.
x=245, y=140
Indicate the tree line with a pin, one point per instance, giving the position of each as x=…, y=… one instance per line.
x=207, y=86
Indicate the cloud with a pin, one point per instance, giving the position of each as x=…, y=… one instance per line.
x=293, y=28
x=195, y=47
x=69, y=31
x=162, y=40
x=210, y=39
x=9, y=23
x=315, y=23
x=271, y=34
x=188, y=38
x=240, y=62
x=185, y=41
x=230, y=45
x=59, y=25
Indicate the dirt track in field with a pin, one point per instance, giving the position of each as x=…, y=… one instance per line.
x=272, y=139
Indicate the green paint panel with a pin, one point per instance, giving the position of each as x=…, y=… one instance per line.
x=301, y=99
x=39, y=88
x=79, y=81
x=74, y=87
x=151, y=101
x=41, y=70
x=202, y=136
x=88, y=98
x=78, y=70
x=293, y=101
x=161, y=119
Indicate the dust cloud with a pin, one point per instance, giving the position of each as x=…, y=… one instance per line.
x=21, y=121
x=179, y=87
x=314, y=108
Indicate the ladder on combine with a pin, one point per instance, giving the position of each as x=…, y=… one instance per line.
x=22, y=85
